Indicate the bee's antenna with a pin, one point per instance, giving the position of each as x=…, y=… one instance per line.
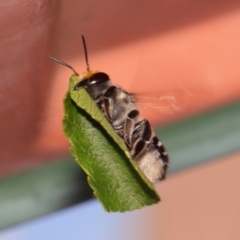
x=85, y=53
x=64, y=64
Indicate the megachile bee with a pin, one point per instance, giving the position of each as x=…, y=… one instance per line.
x=120, y=109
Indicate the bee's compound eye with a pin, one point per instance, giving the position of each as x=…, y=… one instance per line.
x=98, y=78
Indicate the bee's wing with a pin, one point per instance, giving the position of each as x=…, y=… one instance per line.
x=165, y=103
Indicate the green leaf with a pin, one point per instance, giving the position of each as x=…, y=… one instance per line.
x=114, y=177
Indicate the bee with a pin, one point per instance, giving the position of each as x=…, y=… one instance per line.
x=120, y=109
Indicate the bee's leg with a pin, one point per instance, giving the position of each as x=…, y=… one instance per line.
x=142, y=130
x=141, y=138
x=107, y=104
x=129, y=126
x=137, y=133
x=105, y=109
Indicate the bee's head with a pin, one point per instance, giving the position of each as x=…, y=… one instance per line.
x=88, y=79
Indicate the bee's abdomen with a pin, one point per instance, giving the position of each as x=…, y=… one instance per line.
x=144, y=146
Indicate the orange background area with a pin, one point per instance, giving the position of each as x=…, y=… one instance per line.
x=183, y=55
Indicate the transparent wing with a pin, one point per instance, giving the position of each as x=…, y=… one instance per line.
x=165, y=103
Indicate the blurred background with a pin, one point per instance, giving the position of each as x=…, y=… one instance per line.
x=181, y=58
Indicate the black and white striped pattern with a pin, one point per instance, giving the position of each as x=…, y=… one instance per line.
x=120, y=109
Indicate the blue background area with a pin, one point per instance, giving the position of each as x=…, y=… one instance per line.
x=82, y=221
